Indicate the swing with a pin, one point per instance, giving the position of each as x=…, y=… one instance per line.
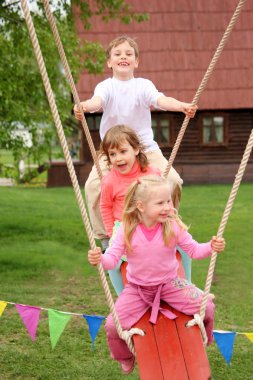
x=169, y=349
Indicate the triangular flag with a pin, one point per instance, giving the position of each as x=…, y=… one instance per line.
x=30, y=316
x=57, y=323
x=225, y=343
x=249, y=336
x=3, y=305
x=94, y=323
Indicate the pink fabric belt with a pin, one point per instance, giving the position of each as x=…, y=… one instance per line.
x=155, y=305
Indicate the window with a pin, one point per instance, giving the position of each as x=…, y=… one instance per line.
x=93, y=121
x=162, y=129
x=213, y=130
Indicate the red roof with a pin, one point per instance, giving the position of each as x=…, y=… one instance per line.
x=177, y=45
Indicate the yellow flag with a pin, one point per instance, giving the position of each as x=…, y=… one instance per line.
x=249, y=336
x=2, y=307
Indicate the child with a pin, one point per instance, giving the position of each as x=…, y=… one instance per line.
x=127, y=100
x=128, y=161
x=149, y=234
x=126, y=156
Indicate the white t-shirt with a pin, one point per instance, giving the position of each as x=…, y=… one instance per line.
x=128, y=102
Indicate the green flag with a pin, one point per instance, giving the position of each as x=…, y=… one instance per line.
x=57, y=323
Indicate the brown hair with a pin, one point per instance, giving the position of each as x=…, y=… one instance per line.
x=114, y=138
x=120, y=40
x=140, y=191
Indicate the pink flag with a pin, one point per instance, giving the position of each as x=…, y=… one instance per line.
x=30, y=316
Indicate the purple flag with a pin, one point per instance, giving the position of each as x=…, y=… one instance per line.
x=30, y=316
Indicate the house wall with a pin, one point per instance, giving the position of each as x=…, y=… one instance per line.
x=240, y=124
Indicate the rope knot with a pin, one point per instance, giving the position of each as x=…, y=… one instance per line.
x=127, y=334
x=197, y=320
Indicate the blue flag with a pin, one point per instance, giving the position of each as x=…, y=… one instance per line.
x=94, y=323
x=225, y=342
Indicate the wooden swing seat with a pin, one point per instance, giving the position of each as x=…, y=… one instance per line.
x=169, y=350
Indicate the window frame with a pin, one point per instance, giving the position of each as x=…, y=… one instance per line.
x=225, y=129
x=159, y=116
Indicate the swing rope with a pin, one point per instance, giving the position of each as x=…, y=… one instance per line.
x=203, y=83
x=198, y=319
x=126, y=335
x=72, y=84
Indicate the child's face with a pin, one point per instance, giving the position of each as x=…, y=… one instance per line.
x=123, y=61
x=157, y=207
x=123, y=158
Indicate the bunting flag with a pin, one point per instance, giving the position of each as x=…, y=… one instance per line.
x=30, y=316
x=225, y=342
x=249, y=336
x=94, y=323
x=3, y=305
x=57, y=323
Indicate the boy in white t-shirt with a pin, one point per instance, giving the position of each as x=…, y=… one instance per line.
x=127, y=100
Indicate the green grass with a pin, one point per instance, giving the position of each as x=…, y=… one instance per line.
x=43, y=262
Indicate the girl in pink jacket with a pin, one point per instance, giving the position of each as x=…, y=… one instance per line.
x=149, y=234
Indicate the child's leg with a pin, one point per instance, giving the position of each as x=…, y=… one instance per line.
x=130, y=308
x=92, y=194
x=186, y=298
x=157, y=159
x=187, y=264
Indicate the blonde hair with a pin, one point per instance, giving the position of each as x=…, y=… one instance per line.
x=120, y=40
x=140, y=190
x=116, y=136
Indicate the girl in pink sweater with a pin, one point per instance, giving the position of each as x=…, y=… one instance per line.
x=149, y=234
x=127, y=160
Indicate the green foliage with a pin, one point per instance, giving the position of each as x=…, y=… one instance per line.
x=22, y=94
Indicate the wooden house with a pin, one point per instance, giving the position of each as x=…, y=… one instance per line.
x=176, y=47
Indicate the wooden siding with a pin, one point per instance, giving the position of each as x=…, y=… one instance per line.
x=240, y=124
x=176, y=46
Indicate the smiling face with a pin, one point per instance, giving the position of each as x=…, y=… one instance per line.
x=123, y=61
x=123, y=157
x=157, y=207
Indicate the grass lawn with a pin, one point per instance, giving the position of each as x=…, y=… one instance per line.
x=43, y=262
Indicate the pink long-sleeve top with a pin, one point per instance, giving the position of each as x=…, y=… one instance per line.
x=151, y=263
x=114, y=186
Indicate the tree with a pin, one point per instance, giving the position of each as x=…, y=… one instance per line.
x=22, y=96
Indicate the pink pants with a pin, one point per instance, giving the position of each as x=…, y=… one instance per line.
x=134, y=301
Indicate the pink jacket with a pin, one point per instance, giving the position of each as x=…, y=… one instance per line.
x=113, y=190
x=151, y=263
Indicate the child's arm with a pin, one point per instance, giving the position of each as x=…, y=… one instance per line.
x=113, y=254
x=90, y=105
x=106, y=205
x=198, y=250
x=171, y=104
x=218, y=244
x=94, y=256
x=107, y=217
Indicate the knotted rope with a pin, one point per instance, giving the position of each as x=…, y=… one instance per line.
x=228, y=208
x=70, y=166
x=203, y=83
